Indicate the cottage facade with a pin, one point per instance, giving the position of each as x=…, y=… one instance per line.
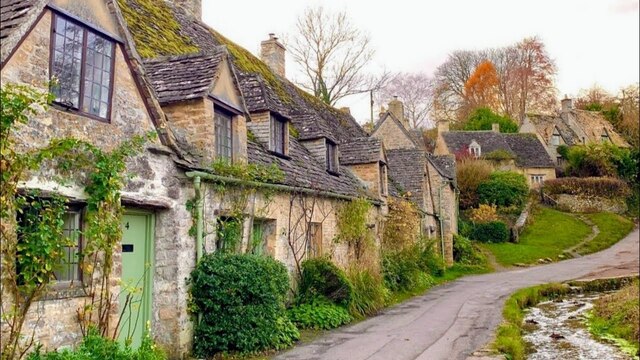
x=571, y=126
x=522, y=153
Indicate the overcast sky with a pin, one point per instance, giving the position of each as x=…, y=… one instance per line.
x=592, y=41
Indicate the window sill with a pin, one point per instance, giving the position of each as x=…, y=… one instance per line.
x=277, y=154
x=63, y=291
x=63, y=108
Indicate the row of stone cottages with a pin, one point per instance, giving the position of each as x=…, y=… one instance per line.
x=129, y=67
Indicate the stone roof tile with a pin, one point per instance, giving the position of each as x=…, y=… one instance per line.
x=408, y=169
x=361, y=150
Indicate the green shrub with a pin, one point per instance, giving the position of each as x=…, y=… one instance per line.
x=465, y=253
x=504, y=188
x=429, y=261
x=240, y=299
x=590, y=186
x=470, y=173
x=484, y=118
x=369, y=293
x=402, y=270
x=96, y=347
x=595, y=160
x=322, y=278
x=491, y=232
x=319, y=314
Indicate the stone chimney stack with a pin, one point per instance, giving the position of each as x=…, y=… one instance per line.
x=396, y=107
x=272, y=53
x=443, y=126
x=495, y=127
x=346, y=110
x=194, y=7
x=567, y=104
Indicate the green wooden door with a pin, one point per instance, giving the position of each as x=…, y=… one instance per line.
x=137, y=272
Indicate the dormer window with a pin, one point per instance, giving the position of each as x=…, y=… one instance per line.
x=332, y=156
x=224, y=134
x=383, y=179
x=279, y=135
x=555, y=138
x=82, y=63
x=474, y=149
x=605, y=136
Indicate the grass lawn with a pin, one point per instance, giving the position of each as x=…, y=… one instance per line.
x=550, y=233
x=612, y=227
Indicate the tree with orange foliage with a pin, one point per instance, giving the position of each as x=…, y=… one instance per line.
x=481, y=89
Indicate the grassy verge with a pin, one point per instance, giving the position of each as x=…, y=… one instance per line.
x=616, y=317
x=549, y=234
x=509, y=335
x=612, y=227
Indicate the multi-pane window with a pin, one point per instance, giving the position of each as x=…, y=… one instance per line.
x=224, y=134
x=278, y=135
x=537, y=179
x=332, y=156
x=475, y=151
x=555, y=138
x=82, y=64
x=69, y=269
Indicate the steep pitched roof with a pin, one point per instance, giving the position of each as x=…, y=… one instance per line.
x=16, y=17
x=445, y=164
x=594, y=124
x=409, y=133
x=183, y=77
x=408, y=169
x=303, y=170
x=527, y=149
x=361, y=150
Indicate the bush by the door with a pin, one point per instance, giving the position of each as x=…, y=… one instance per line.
x=322, y=278
x=240, y=299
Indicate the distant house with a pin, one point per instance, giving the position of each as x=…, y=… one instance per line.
x=571, y=126
x=518, y=152
x=425, y=179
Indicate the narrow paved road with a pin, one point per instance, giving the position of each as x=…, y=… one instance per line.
x=454, y=320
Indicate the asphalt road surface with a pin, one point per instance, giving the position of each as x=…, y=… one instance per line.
x=453, y=320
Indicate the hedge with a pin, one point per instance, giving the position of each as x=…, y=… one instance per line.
x=322, y=278
x=504, y=188
x=590, y=186
x=490, y=232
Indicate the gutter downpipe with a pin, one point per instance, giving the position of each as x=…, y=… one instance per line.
x=440, y=219
x=199, y=216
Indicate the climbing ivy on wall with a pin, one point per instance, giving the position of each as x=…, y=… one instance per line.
x=352, y=227
x=31, y=250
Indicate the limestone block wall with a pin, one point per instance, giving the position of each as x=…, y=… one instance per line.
x=394, y=137
x=369, y=175
x=446, y=206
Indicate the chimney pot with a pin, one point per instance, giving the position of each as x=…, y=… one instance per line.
x=272, y=53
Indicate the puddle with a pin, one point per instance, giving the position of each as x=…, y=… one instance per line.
x=556, y=330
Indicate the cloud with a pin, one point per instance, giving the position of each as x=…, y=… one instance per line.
x=625, y=6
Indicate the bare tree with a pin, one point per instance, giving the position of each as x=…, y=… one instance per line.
x=333, y=54
x=450, y=77
x=416, y=92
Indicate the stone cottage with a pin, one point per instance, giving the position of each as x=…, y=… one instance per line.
x=427, y=180
x=523, y=153
x=210, y=102
x=571, y=126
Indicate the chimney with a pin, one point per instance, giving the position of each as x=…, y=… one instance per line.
x=272, y=53
x=567, y=104
x=194, y=7
x=346, y=110
x=396, y=107
x=382, y=112
x=495, y=127
x=443, y=126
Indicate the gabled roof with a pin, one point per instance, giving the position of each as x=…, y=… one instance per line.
x=411, y=134
x=407, y=167
x=303, y=170
x=527, y=149
x=183, y=77
x=16, y=17
x=363, y=150
x=445, y=165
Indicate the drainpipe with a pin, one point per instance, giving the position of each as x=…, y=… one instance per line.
x=440, y=218
x=199, y=217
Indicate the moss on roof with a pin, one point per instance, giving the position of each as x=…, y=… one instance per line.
x=154, y=28
x=247, y=62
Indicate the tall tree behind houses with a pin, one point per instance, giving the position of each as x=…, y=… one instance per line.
x=416, y=92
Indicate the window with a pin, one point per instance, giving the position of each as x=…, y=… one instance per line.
x=475, y=150
x=278, y=135
x=605, y=136
x=68, y=270
x=555, y=138
x=82, y=63
x=332, y=156
x=224, y=135
x=537, y=179
x=314, y=242
x=263, y=237
x=383, y=179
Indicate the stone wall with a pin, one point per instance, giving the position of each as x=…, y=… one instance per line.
x=393, y=136
x=446, y=207
x=548, y=173
x=589, y=204
x=369, y=175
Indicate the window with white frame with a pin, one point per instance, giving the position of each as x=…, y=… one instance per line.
x=474, y=149
x=537, y=179
x=555, y=138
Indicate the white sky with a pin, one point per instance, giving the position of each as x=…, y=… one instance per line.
x=592, y=41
